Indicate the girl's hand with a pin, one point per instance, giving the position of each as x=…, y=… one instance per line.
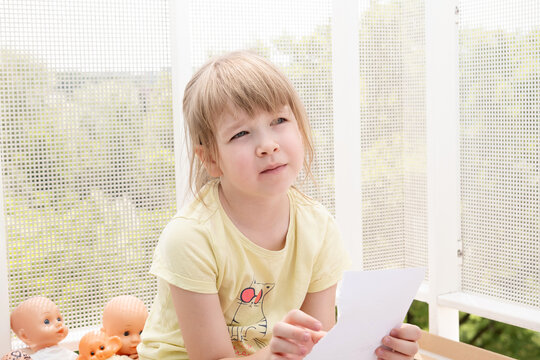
x=294, y=336
x=401, y=344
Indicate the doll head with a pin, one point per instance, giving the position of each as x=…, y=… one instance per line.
x=16, y=355
x=124, y=316
x=96, y=345
x=38, y=323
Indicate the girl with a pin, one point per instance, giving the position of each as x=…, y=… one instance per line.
x=250, y=267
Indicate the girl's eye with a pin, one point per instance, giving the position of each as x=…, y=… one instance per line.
x=278, y=121
x=59, y=319
x=240, y=134
x=140, y=332
x=126, y=333
x=47, y=322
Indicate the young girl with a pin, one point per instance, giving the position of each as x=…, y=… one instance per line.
x=250, y=267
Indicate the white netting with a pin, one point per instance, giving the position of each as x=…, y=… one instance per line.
x=499, y=54
x=86, y=149
x=393, y=133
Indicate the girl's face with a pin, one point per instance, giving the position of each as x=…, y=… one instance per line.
x=259, y=155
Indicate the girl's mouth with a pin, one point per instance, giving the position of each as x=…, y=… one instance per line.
x=274, y=169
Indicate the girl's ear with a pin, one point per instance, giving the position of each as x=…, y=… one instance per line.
x=208, y=161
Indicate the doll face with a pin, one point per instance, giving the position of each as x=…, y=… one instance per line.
x=128, y=327
x=43, y=324
x=97, y=345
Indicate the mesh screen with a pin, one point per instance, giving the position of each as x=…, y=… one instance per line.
x=295, y=35
x=499, y=60
x=86, y=149
x=392, y=66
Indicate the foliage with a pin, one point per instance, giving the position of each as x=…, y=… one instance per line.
x=88, y=175
x=499, y=337
x=509, y=340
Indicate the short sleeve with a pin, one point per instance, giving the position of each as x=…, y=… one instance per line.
x=184, y=257
x=331, y=261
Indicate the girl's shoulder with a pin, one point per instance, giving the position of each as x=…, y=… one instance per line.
x=194, y=219
x=304, y=205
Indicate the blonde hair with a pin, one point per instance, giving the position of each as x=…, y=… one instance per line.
x=244, y=81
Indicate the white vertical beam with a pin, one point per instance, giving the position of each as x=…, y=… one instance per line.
x=347, y=149
x=5, y=335
x=442, y=125
x=180, y=41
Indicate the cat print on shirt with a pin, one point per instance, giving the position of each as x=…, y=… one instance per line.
x=249, y=323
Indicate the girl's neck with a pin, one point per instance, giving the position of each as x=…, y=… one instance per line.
x=263, y=220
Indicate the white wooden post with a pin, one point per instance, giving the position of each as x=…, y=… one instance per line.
x=5, y=334
x=442, y=129
x=180, y=41
x=347, y=150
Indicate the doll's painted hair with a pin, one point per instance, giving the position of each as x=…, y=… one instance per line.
x=243, y=81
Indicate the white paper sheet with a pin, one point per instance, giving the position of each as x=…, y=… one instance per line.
x=370, y=304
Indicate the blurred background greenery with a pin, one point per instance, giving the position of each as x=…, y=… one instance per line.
x=509, y=340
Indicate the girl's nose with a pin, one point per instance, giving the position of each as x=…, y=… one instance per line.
x=267, y=146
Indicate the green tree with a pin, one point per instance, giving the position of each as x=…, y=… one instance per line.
x=88, y=174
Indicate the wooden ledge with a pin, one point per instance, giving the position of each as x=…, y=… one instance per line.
x=434, y=347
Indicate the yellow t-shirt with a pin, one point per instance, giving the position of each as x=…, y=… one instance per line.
x=201, y=250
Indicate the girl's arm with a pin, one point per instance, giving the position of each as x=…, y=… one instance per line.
x=322, y=306
x=202, y=324
x=206, y=336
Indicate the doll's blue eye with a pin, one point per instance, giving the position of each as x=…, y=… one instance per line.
x=126, y=333
x=102, y=347
x=46, y=321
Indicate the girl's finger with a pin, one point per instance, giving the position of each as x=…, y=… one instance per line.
x=284, y=347
x=291, y=332
x=387, y=354
x=405, y=347
x=285, y=357
x=300, y=318
x=407, y=332
x=317, y=335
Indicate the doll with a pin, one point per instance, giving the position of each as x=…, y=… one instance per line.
x=39, y=324
x=16, y=355
x=124, y=316
x=96, y=345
